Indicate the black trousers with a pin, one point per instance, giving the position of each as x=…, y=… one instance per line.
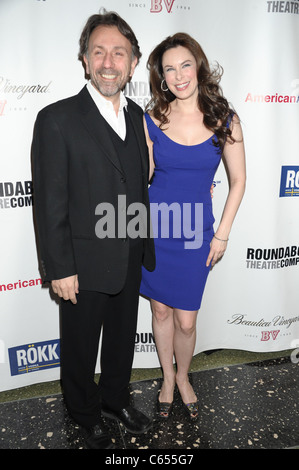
x=81, y=326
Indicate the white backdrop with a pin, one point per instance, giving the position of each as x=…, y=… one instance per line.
x=251, y=298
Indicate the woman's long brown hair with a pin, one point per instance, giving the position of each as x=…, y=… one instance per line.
x=214, y=106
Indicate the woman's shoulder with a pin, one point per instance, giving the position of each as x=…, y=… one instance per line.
x=150, y=119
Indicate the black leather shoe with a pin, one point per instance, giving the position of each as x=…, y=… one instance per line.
x=133, y=420
x=97, y=438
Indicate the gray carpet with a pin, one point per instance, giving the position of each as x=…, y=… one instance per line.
x=246, y=401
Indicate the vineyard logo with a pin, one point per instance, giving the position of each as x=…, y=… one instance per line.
x=157, y=6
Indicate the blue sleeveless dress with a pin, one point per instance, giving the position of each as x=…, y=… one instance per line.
x=182, y=219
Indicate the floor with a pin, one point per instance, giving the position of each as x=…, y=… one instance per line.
x=242, y=406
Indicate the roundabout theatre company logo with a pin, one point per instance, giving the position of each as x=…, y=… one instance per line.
x=291, y=7
x=16, y=194
x=272, y=258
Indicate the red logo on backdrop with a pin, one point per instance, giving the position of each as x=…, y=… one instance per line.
x=157, y=7
x=267, y=335
x=2, y=106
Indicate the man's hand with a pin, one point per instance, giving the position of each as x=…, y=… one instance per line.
x=67, y=288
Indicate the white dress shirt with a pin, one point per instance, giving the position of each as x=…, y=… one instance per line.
x=117, y=122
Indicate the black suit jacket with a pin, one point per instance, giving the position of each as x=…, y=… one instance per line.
x=76, y=167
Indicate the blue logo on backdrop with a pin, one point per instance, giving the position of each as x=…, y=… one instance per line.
x=289, y=183
x=34, y=357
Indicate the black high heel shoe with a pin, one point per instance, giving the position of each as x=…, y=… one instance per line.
x=164, y=408
x=191, y=410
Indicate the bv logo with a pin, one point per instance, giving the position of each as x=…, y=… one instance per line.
x=156, y=5
x=267, y=335
x=289, y=183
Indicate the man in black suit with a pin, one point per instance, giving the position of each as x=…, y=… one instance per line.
x=90, y=150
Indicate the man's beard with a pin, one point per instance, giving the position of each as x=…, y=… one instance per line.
x=105, y=88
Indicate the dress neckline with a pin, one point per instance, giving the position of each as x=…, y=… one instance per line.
x=177, y=143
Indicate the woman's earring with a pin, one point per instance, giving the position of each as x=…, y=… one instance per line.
x=162, y=85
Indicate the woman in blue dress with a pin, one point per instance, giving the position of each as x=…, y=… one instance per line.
x=190, y=127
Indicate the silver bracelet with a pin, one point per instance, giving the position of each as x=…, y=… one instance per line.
x=220, y=239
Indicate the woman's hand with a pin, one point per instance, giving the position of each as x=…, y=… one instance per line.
x=217, y=249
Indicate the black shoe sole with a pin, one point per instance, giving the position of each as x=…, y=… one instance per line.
x=88, y=446
x=106, y=414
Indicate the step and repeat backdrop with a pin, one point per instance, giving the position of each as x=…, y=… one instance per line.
x=252, y=296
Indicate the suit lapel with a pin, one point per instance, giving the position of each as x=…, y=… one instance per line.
x=138, y=131
x=93, y=121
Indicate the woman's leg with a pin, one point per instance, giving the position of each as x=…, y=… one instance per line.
x=184, y=344
x=175, y=335
x=163, y=328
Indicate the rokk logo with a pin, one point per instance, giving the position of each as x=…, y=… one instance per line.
x=289, y=183
x=157, y=7
x=33, y=357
